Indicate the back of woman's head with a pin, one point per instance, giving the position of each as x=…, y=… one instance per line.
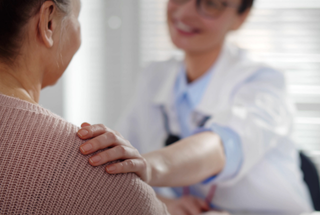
x=14, y=15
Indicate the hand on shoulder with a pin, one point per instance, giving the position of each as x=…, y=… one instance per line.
x=114, y=147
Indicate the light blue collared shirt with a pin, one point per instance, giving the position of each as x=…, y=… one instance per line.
x=187, y=96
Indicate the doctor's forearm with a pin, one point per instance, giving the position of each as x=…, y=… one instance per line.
x=188, y=161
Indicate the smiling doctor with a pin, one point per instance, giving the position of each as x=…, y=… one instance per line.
x=215, y=127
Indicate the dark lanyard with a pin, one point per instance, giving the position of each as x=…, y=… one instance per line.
x=171, y=139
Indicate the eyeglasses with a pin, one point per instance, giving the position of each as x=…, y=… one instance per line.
x=209, y=8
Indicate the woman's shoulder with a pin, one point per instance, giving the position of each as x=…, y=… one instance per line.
x=32, y=120
x=18, y=105
x=43, y=171
x=160, y=68
x=240, y=66
x=158, y=73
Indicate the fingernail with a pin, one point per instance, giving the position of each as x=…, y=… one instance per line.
x=86, y=148
x=95, y=159
x=111, y=168
x=83, y=132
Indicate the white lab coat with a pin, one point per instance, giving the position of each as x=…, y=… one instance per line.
x=252, y=103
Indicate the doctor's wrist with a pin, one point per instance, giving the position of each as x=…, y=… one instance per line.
x=155, y=169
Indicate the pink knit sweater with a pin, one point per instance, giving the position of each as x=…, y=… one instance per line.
x=43, y=172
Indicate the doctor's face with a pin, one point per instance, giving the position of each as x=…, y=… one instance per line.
x=194, y=32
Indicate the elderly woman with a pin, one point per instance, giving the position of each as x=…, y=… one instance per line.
x=41, y=170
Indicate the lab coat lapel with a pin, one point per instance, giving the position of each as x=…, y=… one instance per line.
x=232, y=68
x=164, y=96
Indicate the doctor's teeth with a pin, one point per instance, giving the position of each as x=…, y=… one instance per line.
x=184, y=27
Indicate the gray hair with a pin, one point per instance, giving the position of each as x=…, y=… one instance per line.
x=14, y=15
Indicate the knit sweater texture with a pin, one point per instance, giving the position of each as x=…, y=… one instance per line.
x=43, y=172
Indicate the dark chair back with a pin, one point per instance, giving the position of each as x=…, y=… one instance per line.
x=311, y=177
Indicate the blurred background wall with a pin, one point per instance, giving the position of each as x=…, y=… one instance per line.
x=120, y=37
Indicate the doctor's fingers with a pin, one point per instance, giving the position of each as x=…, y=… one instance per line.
x=85, y=124
x=201, y=204
x=137, y=166
x=88, y=131
x=103, y=141
x=179, y=211
x=191, y=205
x=119, y=152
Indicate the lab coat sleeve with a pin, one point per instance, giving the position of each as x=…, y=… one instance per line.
x=260, y=114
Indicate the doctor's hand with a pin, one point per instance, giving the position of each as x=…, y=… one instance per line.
x=186, y=205
x=115, y=147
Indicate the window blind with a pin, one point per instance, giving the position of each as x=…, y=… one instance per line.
x=284, y=34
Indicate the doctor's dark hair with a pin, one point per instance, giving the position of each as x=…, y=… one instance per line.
x=14, y=15
x=245, y=5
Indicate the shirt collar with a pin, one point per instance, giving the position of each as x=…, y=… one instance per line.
x=194, y=90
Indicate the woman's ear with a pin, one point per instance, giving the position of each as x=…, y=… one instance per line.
x=47, y=23
x=241, y=18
